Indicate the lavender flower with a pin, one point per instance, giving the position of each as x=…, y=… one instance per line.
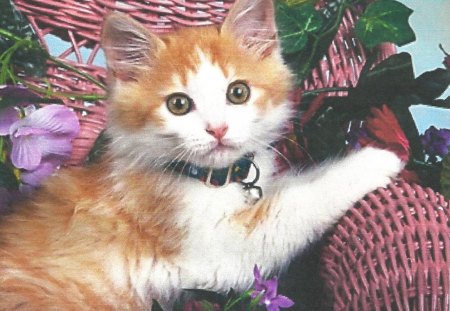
x=267, y=291
x=436, y=142
x=17, y=93
x=8, y=116
x=41, y=140
x=44, y=132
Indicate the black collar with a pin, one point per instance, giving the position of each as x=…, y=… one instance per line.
x=216, y=177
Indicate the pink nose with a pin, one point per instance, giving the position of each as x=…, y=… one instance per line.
x=217, y=132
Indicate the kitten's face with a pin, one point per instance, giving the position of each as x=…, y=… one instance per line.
x=204, y=96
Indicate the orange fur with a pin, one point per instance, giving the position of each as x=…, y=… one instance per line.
x=250, y=217
x=53, y=247
x=43, y=259
x=138, y=103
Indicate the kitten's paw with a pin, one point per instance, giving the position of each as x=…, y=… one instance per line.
x=379, y=165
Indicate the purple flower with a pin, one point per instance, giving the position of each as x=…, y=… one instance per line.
x=267, y=291
x=44, y=132
x=20, y=94
x=41, y=140
x=436, y=142
x=8, y=116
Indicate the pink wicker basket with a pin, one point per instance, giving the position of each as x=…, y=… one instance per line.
x=390, y=252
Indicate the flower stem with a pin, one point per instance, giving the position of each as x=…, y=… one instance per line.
x=79, y=72
x=8, y=35
x=6, y=70
x=46, y=92
x=442, y=49
x=326, y=90
x=231, y=303
x=21, y=41
x=2, y=153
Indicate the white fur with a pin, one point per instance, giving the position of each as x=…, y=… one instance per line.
x=217, y=253
x=185, y=137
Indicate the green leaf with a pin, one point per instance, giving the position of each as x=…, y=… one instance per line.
x=324, y=134
x=400, y=107
x=12, y=21
x=431, y=84
x=385, y=21
x=441, y=103
x=7, y=178
x=445, y=177
x=254, y=302
x=19, y=43
x=295, y=24
x=387, y=80
x=207, y=306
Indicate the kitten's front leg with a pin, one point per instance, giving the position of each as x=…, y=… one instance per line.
x=305, y=206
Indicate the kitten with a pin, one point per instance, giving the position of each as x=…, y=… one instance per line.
x=192, y=115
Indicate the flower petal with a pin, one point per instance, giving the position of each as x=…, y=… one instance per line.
x=385, y=132
x=436, y=142
x=272, y=307
x=26, y=152
x=282, y=301
x=17, y=91
x=51, y=144
x=8, y=116
x=53, y=118
x=34, y=178
x=25, y=131
x=272, y=288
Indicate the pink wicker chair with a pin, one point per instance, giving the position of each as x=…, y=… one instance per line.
x=390, y=252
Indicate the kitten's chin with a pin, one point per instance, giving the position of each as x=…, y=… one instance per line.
x=219, y=157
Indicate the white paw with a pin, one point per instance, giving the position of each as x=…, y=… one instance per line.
x=378, y=165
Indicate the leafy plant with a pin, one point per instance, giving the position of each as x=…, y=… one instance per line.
x=18, y=45
x=385, y=21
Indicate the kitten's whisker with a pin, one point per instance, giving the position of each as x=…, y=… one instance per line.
x=273, y=149
x=186, y=162
x=298, y=145
x=154, y=162
x=178, y=157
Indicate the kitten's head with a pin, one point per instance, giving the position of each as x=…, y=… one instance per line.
x=206, y=95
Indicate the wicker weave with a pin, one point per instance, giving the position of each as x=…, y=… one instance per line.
x=391, y=252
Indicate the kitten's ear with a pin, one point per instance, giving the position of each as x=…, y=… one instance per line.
x=252, y=22
x=129, y=47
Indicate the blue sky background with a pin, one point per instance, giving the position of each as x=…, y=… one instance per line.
x=431, y=23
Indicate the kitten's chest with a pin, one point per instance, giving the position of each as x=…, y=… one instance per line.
x=214, y=245
x=205, y=206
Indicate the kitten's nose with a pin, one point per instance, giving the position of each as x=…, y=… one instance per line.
x=217, y=131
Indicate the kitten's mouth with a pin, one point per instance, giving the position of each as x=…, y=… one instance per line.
x=217, y=154
x=221, y=148
x=220, y=154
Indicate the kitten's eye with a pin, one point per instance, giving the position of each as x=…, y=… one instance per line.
x=238, y=92
x=179, y=104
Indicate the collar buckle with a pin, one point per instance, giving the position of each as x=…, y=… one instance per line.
x=227, y=180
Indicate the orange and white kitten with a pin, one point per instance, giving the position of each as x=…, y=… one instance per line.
x=148, y=221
